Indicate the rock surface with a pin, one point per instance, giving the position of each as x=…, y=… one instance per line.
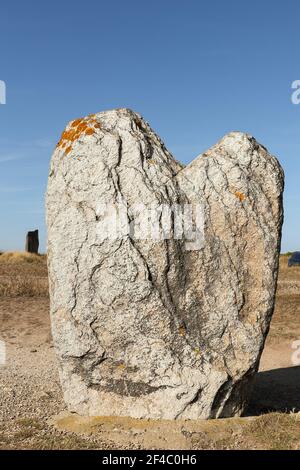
x=148, y=328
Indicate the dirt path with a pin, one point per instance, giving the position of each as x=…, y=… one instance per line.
x=29, y=380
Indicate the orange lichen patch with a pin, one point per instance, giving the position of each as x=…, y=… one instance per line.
x=121, y=365
x=76, y=122
x=240, y=196
x=82, y=127
x=77, y=128
x=90, y=131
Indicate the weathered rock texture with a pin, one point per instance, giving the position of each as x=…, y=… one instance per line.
x=145, y=328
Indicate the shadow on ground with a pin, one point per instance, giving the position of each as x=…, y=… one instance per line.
x=275, y=390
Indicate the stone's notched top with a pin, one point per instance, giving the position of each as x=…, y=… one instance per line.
x=88, y=125
x=144, y=328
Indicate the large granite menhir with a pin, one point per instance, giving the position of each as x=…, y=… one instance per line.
x=152, y=328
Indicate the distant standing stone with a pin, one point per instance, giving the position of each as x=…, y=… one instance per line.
x=32, y=242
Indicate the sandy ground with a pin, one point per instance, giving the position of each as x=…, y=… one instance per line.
x=31, y=395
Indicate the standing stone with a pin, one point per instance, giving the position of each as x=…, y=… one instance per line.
x=152, y=328
x=32, y=242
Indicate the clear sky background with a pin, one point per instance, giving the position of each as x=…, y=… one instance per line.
x=194, y=69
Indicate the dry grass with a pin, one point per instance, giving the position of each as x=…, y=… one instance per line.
x=273, y=431
x=35, y=434
x=285, y=323
x=23, y=274
x=21, y=257
x=26, y=287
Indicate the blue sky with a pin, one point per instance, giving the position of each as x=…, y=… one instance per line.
x=194, y=69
